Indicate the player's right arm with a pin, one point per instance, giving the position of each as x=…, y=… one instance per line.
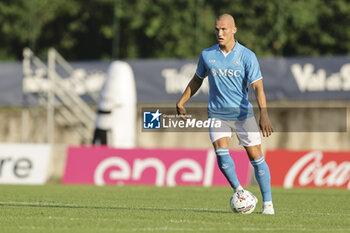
x=191, y=89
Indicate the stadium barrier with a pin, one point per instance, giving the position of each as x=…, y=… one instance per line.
x=159, y=167
x=161, y=81
x=309, y=168
x=24, y=163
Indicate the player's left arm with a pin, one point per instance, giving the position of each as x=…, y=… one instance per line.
x=264, y=121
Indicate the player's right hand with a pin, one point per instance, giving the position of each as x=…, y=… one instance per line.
x=265, y=124
x=181, y=111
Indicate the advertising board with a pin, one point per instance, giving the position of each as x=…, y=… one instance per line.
x=309, y=168
x=160, y=167
x=24, y=163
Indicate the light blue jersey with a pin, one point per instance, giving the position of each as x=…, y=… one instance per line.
x=229, y=76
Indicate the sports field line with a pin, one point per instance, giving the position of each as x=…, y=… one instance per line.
x=233, y=229
x=201, y=229
x=61, y=205
x=314, y=213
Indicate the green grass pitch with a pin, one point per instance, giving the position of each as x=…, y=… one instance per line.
x=58, y=208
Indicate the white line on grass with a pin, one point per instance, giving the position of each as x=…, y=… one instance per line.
x=46, y=204
x=314, y=213
x=182, y=229
x=36, y=204
x=201, y=229
x=234, y=229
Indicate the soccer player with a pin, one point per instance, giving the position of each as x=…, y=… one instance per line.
x=231, y=68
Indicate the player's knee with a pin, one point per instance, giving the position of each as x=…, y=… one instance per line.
x=254, y=152
x=221, y=143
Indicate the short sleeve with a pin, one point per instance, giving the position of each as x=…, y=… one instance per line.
x=202, y=70
x=253, y=69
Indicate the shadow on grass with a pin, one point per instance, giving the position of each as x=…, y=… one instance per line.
x=67, y=206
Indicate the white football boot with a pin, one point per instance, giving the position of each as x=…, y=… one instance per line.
x=240, y=190
x=268, y=208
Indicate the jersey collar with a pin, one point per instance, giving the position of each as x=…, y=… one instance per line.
x=234, y=49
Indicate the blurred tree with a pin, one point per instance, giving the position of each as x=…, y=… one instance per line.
x=159, y=28
x=14, y=29
x=78, y=29
x=81, y=29
x=171, y=29
x=303, y=30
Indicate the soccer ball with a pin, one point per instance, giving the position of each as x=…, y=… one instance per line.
x=243, y=202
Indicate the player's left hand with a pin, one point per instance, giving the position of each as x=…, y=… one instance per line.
x=181, y=111
x=265, y=124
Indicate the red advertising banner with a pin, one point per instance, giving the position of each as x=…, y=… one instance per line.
x=160, y=167
x=309, y=168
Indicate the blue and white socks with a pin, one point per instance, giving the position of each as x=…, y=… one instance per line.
x=263, y=177
x=262, y=173
x=227, y=167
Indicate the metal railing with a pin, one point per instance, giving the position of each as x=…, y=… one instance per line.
x=49, y=87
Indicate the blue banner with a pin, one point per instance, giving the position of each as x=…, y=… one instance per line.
x=325, y=78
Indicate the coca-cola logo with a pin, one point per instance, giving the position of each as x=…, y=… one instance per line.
x=311, y=169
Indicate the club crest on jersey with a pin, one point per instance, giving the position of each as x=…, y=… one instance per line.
x=237, y=62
